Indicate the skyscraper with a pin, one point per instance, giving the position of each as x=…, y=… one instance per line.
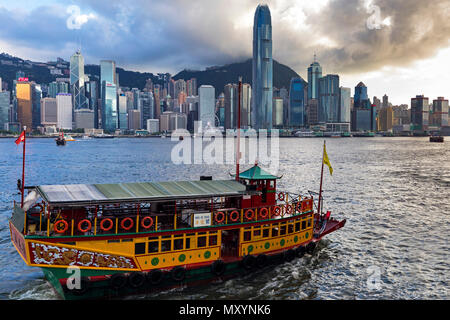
x=4, y=108
x=314, y=74
x=207, y=105
x=440, y=111
x=64, y=111
x=420, y=113
x=77, y=81
x=109, y=95
x=24, y=104
x=262, y=69
x=297, y=102
x=363, y=115
x=329, y=98
x=344, y=104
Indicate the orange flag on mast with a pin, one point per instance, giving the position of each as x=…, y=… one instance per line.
x=21, y=138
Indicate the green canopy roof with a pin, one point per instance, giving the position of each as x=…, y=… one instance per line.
x=256, y=173
x=78, y=194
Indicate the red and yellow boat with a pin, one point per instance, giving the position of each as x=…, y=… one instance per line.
x=132, y=238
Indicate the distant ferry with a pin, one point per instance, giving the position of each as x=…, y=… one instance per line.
x=436, y=139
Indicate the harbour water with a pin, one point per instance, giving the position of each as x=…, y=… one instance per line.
x=394, y=193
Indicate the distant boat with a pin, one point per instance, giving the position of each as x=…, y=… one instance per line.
x=68, y=138
x=436, y=139
x=104, y=136
x=60, y=141
x=85, y=137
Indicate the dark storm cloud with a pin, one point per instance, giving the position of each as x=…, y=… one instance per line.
x=418, y=29
x=172, y=35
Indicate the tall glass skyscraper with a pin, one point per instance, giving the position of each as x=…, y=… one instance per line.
x=329, y=98
x=77, y=81
x=314, y=74
x=109, y=95
x=262, y=69
x=297, y=102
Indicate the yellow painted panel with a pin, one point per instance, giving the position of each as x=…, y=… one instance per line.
x=177, y=258
x=272, y=244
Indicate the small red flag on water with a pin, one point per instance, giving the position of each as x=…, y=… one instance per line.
x=20, y=138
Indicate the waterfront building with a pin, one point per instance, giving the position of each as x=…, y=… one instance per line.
x=329, y=92
x=386, y=119
x=147, y=107
x=277, y=113
x=24, y=104
x=109, y=107
x=56, y=87
x=153, y=125
x=84, y=119
x=92, y=94
x=230, y=108
x=440, y=111
x=122, y=112
x=314, y=74
x=191, y=87
x=77, y=78
x=262, y=73
x=312, y=112
x=207, y=105
x=64, y=111
x=49, y=112
x=297, y=102
x=180, y=86
x=36, y=93
x=134, y=119
x=1, y=87
x=420, y=113
x=108, y=71
x=402, y=115
x=344, y=104
x=385, y=101
x=363, y=115
x=5, y=98
x=377, y=103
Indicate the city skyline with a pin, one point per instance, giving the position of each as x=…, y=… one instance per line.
x=383, y=56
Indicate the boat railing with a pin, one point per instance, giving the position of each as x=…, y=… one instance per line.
x=145, y=221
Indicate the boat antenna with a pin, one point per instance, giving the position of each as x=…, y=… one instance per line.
x=238, y=152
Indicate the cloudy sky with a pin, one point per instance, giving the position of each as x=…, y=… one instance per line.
x=397, y=47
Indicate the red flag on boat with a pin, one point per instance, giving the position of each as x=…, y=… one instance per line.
x=21, y=138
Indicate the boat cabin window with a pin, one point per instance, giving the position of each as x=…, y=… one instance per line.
x=265, y=232
x=188, y=243
x=309, y=222
x=247, y=235
x=257, y=233
x=290, y=228
x=282, y=230
x=297, y=226
x=212, y=240
x=201, y=242
x=275, y=231
x=139, y=248
x=127, y=240
x=153, y=246
x=178, y=244
x=304, y=225
x=166, y=245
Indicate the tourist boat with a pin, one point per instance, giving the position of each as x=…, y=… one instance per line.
x=68, y=138
x=436, y=139
x=61, y=141
x=130, y=238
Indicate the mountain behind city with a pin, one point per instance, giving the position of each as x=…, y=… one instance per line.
x=217, y=76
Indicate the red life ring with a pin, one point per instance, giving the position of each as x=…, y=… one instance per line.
x=281, y=196
x=221, y=215
x=144, y=224
x=237, y=216
x=102, y=224
x=288, y=209
x=277, y=211
x=251, y=216
x=122, y=223
x=89, y=225
x=265, y=214
x=60, y=228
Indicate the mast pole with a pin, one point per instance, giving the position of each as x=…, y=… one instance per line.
x=321, y=180
x=23, y=163
x=238, y=152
